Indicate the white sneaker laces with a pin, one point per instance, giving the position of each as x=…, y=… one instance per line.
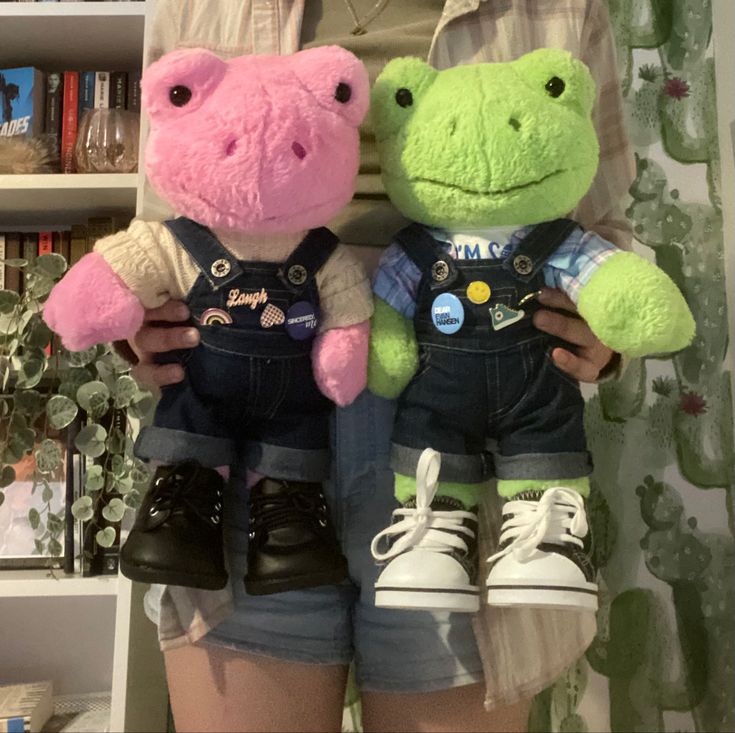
x=557, y=517
x=422, y=526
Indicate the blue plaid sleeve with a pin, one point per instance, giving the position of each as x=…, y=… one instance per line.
x=396, y=281
x=574, y=263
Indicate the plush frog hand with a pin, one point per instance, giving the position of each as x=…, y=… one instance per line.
x=507, y=144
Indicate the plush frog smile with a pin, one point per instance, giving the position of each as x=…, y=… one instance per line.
x=486, y=144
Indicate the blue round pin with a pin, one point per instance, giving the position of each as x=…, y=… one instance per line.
x=447, y=313
x=302, y=320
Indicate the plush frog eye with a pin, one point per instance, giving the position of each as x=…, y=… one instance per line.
x=555, y=87
x=556, y=76
x=404, y=98
x=396, y=93
x=180, y=95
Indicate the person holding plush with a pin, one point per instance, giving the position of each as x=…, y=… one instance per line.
x=280, y=662
x=487, y=159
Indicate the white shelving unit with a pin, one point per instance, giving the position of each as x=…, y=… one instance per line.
x=89, y=635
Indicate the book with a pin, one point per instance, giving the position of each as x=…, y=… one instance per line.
x=29, y=247
x=102, y=89
x=12, y=252
x=99, y=227
x=118, y=89
x=54, y=101
x=3, y=255
x=22, y=102
x=72, y=490
x=133, y=100
x=86, y=91
x=26, y=707
x=78, y=244
x=45, y=243
x=70, y=120
x=62, y=244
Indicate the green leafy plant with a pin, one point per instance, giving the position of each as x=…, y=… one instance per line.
x=42, y=395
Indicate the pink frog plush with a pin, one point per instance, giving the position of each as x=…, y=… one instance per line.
x=256, y=154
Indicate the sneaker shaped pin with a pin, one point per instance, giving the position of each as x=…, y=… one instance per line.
x=430, y=561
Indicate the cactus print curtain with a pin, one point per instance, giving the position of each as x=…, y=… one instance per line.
x=662, y=508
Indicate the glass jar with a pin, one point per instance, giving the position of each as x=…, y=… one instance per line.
x=107, y=141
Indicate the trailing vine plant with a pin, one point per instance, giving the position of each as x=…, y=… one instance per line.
x=90, y=392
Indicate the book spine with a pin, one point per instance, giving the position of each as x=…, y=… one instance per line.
x=118, y=89
x=71, y=120
x=3, y=256
x=45, y=243
x=39, y=103
x=102, y=90
x=54, y=104
x=17, y=724
x=78, y=246
x=86, y=92
x=71, y=490
x=12, y=252
x=133, y=101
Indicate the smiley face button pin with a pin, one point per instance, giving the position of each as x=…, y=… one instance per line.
x=478, y=292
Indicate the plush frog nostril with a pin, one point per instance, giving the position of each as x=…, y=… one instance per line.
x=231, y=147
x=298, y=150
x=452, y=126
x=513, y=122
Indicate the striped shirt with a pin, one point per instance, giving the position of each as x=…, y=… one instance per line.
x=570, y=267
x=523, y=650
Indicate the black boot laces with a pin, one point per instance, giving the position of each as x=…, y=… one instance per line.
x=269, y=512
x=177, y=490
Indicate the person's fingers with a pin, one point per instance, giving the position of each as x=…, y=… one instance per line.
x=554, y=298
x=578, y=367
x=569, y=328
x=171, y=311
x=159, y=339
x=158, y=375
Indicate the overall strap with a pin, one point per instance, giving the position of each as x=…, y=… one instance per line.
x=427, y=254
x=534, y=250
x=218, y=266
x=307, y=259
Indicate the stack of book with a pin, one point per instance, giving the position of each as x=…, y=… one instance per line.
x=72, y=242
x=25, y=707
x=34, y=103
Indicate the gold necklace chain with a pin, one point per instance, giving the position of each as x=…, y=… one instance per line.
x=361, y=24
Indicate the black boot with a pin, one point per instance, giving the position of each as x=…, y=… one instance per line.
x=177, y=535
x=292, y=540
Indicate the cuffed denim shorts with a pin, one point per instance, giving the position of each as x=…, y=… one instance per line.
x=392, y=650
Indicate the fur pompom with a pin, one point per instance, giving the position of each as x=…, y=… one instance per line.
x=25, y=155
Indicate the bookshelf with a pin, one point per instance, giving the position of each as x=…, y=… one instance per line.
x=65, y=199
x=90, y=635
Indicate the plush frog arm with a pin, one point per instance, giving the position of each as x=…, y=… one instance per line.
x=635, y=308
x=393, y=352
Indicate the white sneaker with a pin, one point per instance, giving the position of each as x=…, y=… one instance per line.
x=432, y=553
x=543, y=562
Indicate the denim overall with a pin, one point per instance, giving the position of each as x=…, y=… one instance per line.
x=249, y=392
x=491, y=401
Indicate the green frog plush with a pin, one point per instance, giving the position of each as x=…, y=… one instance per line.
x=487, y=160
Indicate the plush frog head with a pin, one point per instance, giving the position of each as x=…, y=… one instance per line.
x=486, y=144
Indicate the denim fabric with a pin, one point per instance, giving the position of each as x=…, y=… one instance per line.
x=247, y=384
x=459, y=401
x=393, y=650
x=481, y=385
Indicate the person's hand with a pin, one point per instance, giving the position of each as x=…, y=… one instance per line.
x=154, y=338
x=592, y=355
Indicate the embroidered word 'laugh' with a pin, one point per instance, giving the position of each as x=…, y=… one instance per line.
x=253, y=300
